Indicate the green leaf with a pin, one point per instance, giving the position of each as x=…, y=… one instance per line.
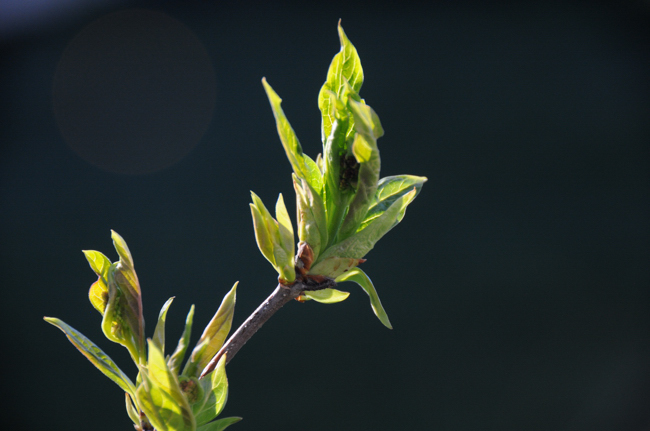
x=312, y=223
x=344, y=69
x=123, y=321
x=389, y=189
x=216, y=394
x=160, y=396
x=213, y=336
x=98, y=293
x=285, y=227
x=177, y=357
x=302, y=165
x=360, y=277
x=334, y=266
x=326, y=296
x=131, y=410
x=219, y=425
x=366, y=152
x=362, y=242
x=94, y=354
x=159, y=332
x=274, y=239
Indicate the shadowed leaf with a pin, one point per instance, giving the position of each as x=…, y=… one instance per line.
x=360, y=277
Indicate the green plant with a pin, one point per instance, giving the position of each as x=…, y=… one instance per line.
x=343, y=209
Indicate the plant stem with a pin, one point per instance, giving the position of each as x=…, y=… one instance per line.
x=280, y=296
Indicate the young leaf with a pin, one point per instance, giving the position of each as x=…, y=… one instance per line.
x=131, y=410
x=302, y=165
x=326, y=296
x=312, y=224
x=160, y=396
x=213, y=336
x=177, y=357
x=362, y=242
x=94, y=354
x=345, y=68
x=219, y=425
x=98, y=293
x=274, y=239
x=360, y=277
x=366, y=152
x=123, y=321
x=389, y=189
x=216, y=395
x=159, y=332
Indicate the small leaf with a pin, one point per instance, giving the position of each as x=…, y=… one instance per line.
x=326, y=296
x=216, y=390
x=98, y=293
x=98, y=262
x=285, y=227
x=344, y=69
x=360, y=277
x=262, y=235
x=123, y=321
x=131, y=410
x=312, y=222
x=94, y=354
x=160, y=396
x=177, y=357
x=389, y=189
x=334, y=266
x=219, y=425
x=213, y=336
x=362, y=242
x=159, y=332
x=302, y=165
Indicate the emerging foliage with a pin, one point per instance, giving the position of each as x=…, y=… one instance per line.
x=343, y=207
x=162, y=397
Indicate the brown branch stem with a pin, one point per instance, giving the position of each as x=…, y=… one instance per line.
x=280, y=296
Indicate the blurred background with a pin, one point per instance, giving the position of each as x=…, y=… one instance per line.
x=517, y=284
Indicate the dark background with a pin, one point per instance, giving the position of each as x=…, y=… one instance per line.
x=517, y=284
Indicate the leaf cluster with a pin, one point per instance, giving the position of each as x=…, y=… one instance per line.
x=343, y=207
x=163, y=397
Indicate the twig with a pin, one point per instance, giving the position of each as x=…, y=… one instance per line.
x=280, y=296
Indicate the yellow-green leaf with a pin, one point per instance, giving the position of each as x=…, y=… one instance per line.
x=326, y=296
x=213, y=336
x=360, y=277
x=94, y=354
x=334, y=266
x=160, y=396
x=216, y=394
x=177, y=357
x=159, y=332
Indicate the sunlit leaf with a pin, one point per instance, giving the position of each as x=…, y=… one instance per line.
x=98, y=293
x=362, y=242
x=389, y=189
x=160, y=396
x=326, y=296
x=302, y=165
x=219, y=424
x=358, y=276
x=131, y=410
x=312, y=224
x=213, y=336
x=159, y=332
x=123, y=321
x=94, y=354
x=345, y=68
x=178, y=356
x=366, y=152
x=216, y=394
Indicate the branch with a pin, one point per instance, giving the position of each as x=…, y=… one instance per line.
x=280, y=296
